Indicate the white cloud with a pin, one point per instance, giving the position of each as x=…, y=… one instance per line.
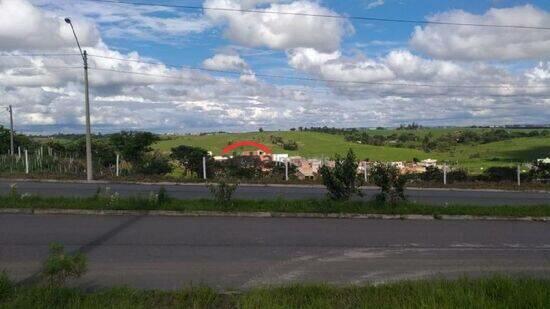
x=23, y=26
x=486, y=43
x=374, y=4
x=226, y=62
x=278, y=31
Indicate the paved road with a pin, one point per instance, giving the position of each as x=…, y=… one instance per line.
x=433, y=196
x=239, y=253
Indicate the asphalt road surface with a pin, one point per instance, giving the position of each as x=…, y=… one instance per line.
x=432, y=196
x=240, y=253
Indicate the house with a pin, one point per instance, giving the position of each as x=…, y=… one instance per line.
x=315, y=165
x=305, y=172
x=280, y=157
x=544, y=161
x=428, y=163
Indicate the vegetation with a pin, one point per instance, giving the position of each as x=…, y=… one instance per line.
x=391, y=183
x=473, y=158
x=494, y=292
x=222, y=192
x=341, y=181
x=108, y=200
x=61, y=266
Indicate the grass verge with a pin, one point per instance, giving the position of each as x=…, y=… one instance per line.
x=495, y=292
x=113, y=202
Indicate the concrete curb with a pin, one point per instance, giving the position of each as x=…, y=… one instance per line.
x=201, y=184
x=168, y=213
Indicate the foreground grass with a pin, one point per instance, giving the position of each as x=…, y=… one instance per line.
x=496, y=292
x=273, y=206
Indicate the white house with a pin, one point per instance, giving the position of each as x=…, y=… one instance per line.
x=428, y=162
x=280, y=157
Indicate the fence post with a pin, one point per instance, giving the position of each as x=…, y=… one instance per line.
x=519, y=175
x=19, y=151
x=204, y=167
x=26, y=161
x=445, y=174
x=366, y=173
x=117, y=164
x=286, y=169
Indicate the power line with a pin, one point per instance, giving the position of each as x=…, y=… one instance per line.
x=383, y=93
x=311, y=79
x=334, y=16
x=37, y=55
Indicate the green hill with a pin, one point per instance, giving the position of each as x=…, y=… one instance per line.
x=319, y=145
x=310, y=144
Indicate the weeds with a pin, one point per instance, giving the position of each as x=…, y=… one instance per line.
x=61, y=266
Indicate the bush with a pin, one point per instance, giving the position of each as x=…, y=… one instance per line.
x=500, y=173
x=342, y=181
x=432, y=173
x=391, y=183
x=457, y=175
x=190, y=157
x=61, y=266
x=540, y=171
x=154, y=164
x=290, y=145
x=222, y=192
x=6, y=286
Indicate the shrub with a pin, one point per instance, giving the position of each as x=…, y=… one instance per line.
x=222, y=192
x=540, y=171
x=457, y=175
x=432, y=173
x=133, y=145
x=190, y=157
x=6, y=286
x=162, y=196
x=61, y=266
x=500, y=173
x=341, y=181
x=290, y=145
x=391, y=183
x=154, y=164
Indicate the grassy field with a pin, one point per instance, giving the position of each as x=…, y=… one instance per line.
x=319, y=145
x=271, y=206
x=495, y=292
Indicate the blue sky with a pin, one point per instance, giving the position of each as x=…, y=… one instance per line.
x=382, y=73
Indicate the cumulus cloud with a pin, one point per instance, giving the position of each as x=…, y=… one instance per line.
x=486, y=43
x=153, y=23
x=23, y=26
x=226, y=62
x=278, y=31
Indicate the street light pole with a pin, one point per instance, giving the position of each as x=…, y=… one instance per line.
x=89, y=166
x=12, y=145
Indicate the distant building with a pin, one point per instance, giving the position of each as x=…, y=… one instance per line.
x=305, y=172
x=544, y=161
x=280, y=157
x=428, y=163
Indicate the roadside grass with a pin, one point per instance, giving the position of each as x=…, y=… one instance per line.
x=493, y=292
x=323, y=206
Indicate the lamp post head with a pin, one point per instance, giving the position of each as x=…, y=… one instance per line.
x=68, y=20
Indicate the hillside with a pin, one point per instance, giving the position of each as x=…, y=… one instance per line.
x=310, y=144
x=318, y=145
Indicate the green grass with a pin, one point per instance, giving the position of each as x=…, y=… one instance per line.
x=310, y=144
x=503, y=153
x=494, y=292
x=272, y=206
x=319, y=145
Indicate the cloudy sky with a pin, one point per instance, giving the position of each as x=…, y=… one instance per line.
x=173, y=69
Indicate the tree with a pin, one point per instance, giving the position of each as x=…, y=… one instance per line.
x=133, y=145
x=261, y=130
x=342, y=180
x=190, y=157
x=155, y=164
x=391, y=183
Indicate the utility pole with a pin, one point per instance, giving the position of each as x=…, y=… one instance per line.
x=12, y=134
x=89, y=166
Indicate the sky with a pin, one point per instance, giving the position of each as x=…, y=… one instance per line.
x=179, y=70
